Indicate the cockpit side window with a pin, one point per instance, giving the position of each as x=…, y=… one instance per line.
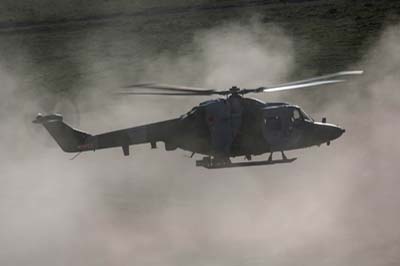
x=296, y=115
x=300, y=115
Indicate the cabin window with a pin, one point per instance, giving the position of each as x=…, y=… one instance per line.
x=273, y=123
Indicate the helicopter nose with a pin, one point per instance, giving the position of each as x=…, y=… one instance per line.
x=336, y=132
x=328, y=132
x=332, y=132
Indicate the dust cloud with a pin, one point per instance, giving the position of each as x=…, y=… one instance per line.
x=335, y=205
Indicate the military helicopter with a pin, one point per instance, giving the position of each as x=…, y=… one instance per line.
x=219, y=128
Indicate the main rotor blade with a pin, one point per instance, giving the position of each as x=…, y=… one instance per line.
x=165, y=87
x=306, y=83
x=301, y=85
x=161, y=93
x=325, y=77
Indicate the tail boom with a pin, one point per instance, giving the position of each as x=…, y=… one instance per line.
x=73, y=140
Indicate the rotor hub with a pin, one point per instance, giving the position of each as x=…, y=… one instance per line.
x=234, y=90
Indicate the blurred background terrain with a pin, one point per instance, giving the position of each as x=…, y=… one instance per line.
x=327, y=35
x=335, y=205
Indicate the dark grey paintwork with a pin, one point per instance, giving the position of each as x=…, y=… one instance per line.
x=221, y=128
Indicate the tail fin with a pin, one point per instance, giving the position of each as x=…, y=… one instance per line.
x=69, y=139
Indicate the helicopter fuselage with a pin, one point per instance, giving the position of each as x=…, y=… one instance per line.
x=239, y=126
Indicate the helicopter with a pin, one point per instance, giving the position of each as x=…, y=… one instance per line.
x=219, y=129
